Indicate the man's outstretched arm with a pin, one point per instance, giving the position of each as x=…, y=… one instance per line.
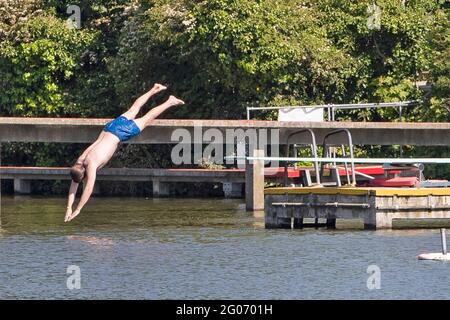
x=91, y=173
x=70, y=200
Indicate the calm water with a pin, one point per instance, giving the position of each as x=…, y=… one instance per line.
x=195, y=248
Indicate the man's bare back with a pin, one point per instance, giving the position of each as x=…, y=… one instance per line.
x=97, y=155
x=103, y=151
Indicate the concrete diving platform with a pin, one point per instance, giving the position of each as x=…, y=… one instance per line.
x=377, y=207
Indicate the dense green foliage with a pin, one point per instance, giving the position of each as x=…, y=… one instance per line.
x=37, y=69
x=220, y=56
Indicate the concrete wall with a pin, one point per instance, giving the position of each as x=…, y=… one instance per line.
x=128, y=174
x=426, y=207
x=231, y=180
x=379, y=214
x=86, y=130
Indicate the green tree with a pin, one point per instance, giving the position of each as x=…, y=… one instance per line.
x=224, y=55
x=14, y=11
x=38, y=61
x=440, y=68
x=394, y=51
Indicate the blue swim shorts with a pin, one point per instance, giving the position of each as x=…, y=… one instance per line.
x=122, y=128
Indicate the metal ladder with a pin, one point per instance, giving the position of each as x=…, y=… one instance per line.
x=327, y=153
x=312, y=145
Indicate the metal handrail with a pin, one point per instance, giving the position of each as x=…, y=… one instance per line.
x=333, y=107
x=350, y=144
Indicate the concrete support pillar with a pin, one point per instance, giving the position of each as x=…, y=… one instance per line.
x=160, y=189
x=298, y=223
x=277, y=217
x=370, y=221
x=254, y=182
x=378, y=220
x=232, y=189
x=331, y=223
x=22, y=186
x=270, y=214
x=284, y=223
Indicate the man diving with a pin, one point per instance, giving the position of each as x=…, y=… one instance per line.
x=100, y=152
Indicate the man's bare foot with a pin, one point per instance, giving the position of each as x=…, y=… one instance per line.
x=157, y=88
x=174, y=101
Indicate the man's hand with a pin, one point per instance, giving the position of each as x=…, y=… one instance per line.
x=73, y=215
x=68, y=214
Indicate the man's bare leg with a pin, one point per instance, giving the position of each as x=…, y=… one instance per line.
x=137, y=105
x=147, y=119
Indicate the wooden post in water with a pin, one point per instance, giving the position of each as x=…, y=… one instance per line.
x=160, y=189
x=316, y=223
x=444, y=241
x=254, y=182
x=22, y=186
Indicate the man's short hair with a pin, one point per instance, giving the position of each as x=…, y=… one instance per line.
x=77, y=173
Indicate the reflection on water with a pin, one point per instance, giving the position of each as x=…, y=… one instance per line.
x=95, y=241
x=202, y=248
